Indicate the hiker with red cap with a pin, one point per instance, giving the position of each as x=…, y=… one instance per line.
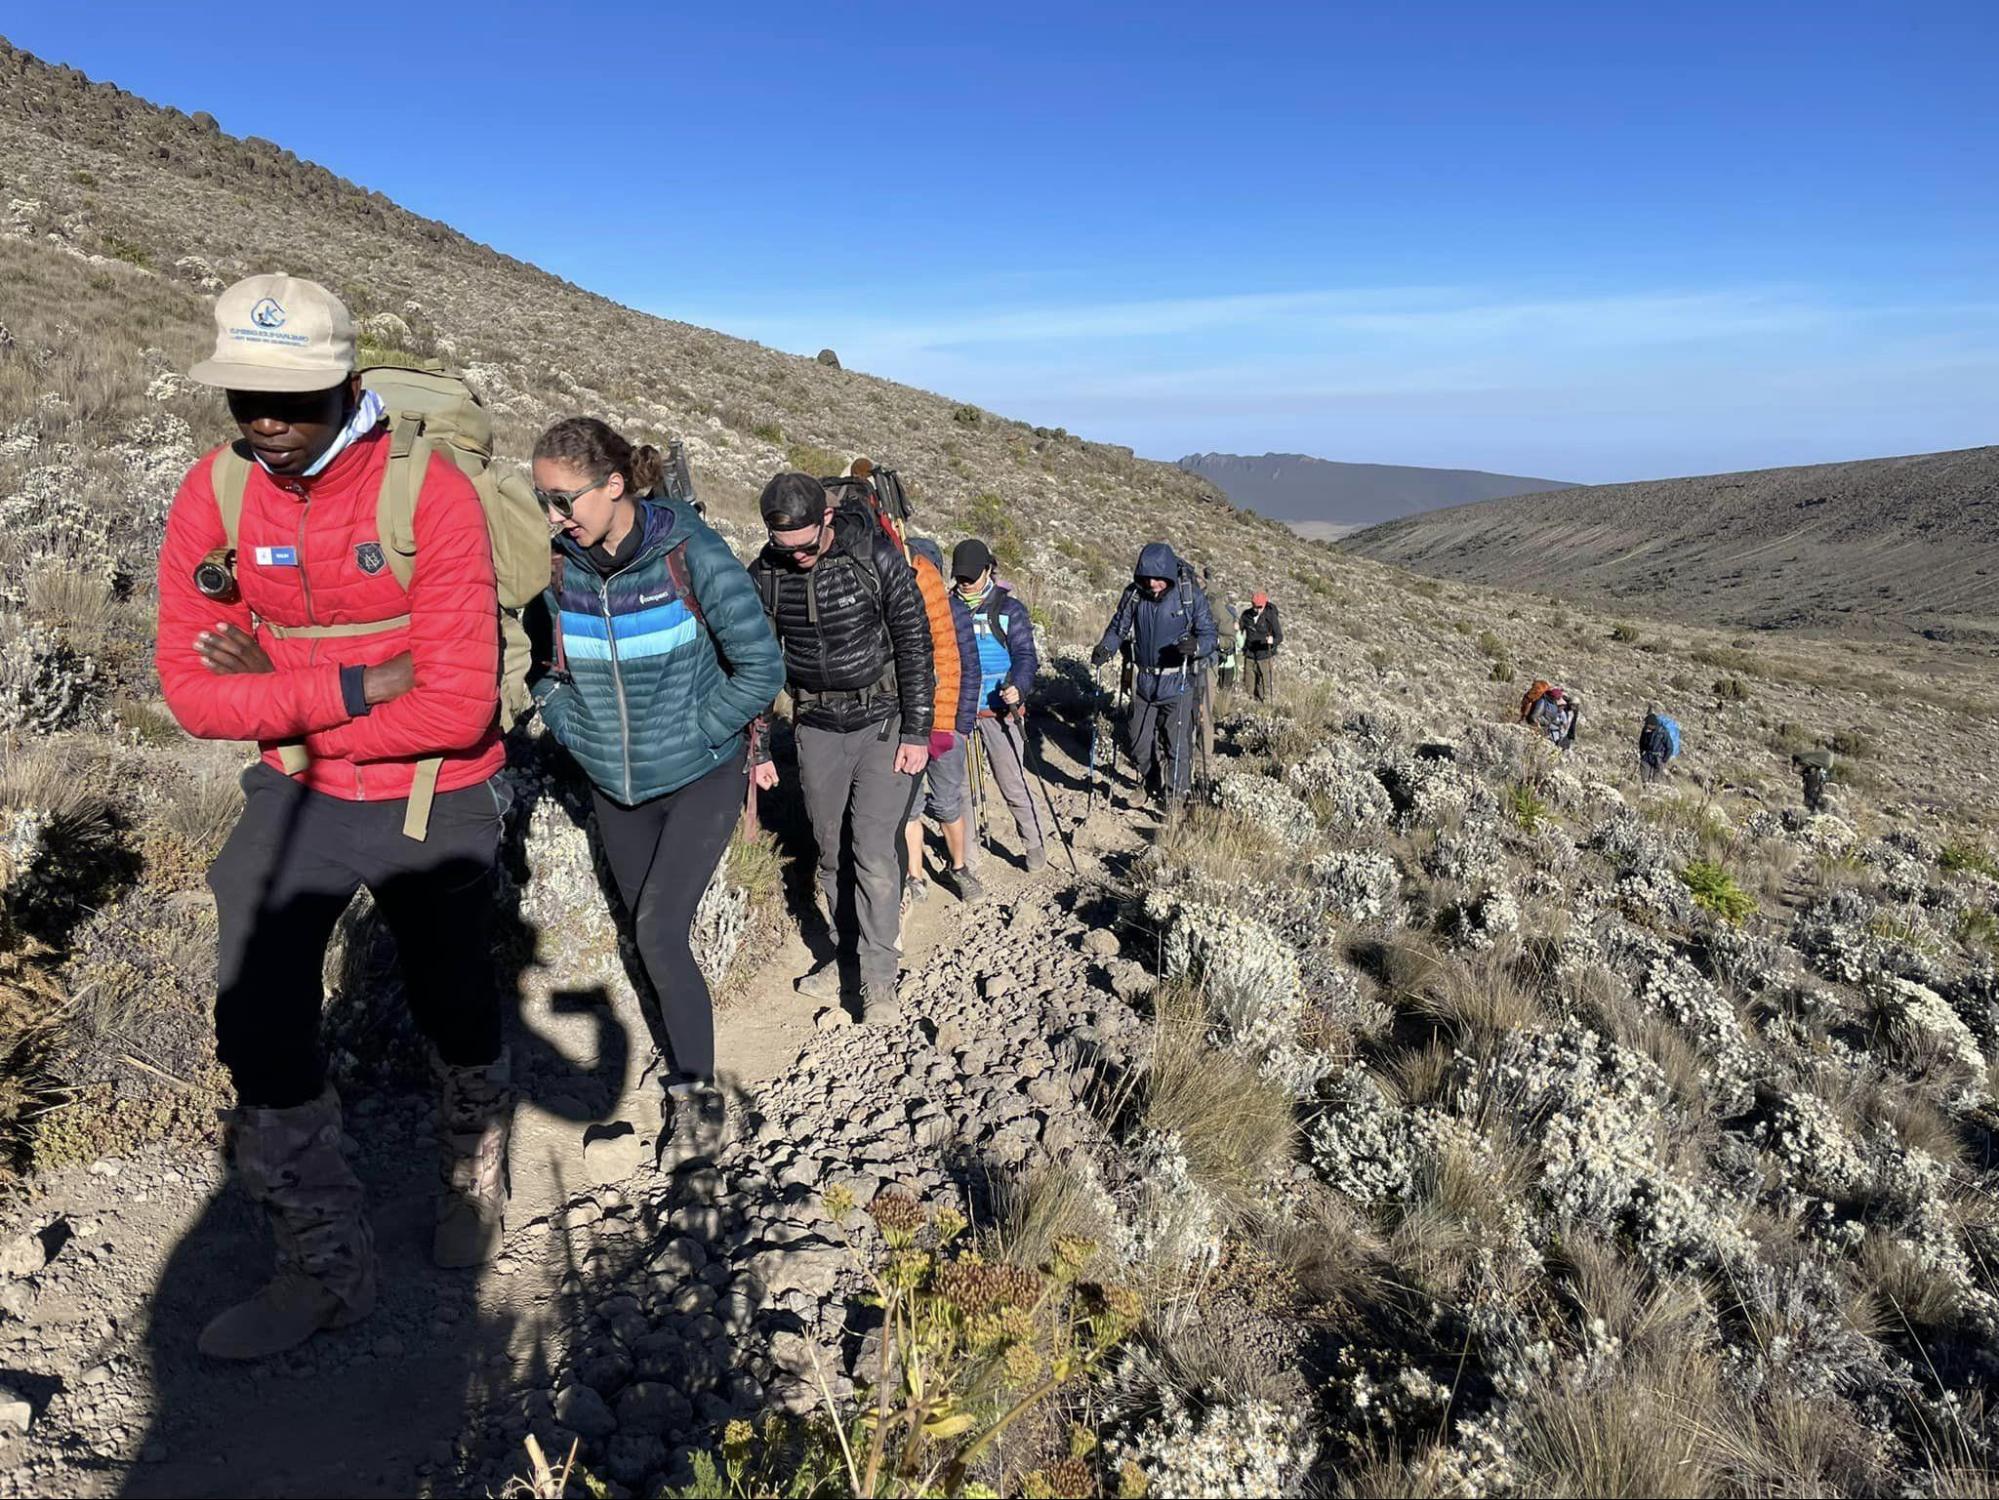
x=374, y=702
x=1262, y=634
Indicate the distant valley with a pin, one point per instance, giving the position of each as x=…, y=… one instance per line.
x=1875, y=546
x=1324, y=500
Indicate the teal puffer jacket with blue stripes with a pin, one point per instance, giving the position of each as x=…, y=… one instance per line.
x=663, y=664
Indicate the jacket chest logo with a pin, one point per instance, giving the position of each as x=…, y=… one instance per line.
x=370, y=558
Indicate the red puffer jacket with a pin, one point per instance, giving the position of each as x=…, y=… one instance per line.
x=307, y=554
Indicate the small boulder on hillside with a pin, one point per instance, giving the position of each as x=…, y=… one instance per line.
x=829, y=359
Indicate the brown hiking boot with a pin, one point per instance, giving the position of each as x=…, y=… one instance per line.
x=823, y=983
x=289, y=1160
x=693, y=1124
x=475, y=1120
x=881, y=1004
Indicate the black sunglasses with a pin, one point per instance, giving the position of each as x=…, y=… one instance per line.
x=563, y=502
x=800, y=549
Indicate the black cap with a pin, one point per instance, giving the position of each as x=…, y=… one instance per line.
x=970, y=558
x=792, y=501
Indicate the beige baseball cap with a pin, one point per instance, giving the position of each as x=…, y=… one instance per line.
x=279, y=333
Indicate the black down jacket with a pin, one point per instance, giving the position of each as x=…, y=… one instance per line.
x=862, y=617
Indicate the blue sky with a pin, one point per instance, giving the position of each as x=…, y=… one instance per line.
x=1579, y=241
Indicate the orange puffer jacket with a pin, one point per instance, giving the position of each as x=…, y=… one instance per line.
x=944, y=654
x=308, y=555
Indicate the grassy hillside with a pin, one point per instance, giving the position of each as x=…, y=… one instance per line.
x=1470, y=1119
x=1885, y=546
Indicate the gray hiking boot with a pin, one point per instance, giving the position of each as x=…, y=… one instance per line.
x=289, y=1160
x=693, y=1124
x=823, y=983
x=475, y=1120
x=1037, y=858
x=881, y=1004
x=967, y=885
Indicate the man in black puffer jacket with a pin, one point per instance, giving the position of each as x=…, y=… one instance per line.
x=849, y=615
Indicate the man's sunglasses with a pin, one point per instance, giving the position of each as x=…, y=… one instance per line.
x=563, y=502
x=800, y=549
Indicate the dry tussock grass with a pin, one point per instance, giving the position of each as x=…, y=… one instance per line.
x=1236, y=1128
x=1056, y=1200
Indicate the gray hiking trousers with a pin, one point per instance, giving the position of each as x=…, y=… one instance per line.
x=1163, y=728
x=1006, y=754
x=853, y=792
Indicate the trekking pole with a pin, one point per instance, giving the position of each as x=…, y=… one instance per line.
x=1019, y=742
x=1096, y=737
x=976, y=766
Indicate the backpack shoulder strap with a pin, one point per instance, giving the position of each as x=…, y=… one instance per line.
x=683, y=581
x=766, y=581
x=402, y=486
x=996, y=615
x=229, y=477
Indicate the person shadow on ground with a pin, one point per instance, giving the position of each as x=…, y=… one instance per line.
x=376, y=1408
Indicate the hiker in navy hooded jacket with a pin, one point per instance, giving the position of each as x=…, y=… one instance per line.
x=663, y=664
x=1164, y=617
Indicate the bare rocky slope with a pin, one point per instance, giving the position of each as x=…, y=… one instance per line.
x=1880, y=546
x=1323, y=499
x=1424, y=1112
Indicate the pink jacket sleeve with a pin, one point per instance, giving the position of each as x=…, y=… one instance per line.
x=238, y=706
x=454, y=635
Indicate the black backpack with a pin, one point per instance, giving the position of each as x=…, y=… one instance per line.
x=676, y=481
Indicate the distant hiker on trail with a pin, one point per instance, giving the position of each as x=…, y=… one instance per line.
x=956, y=658
x=663, y=666
x=376, y=709
x=1262, y=634
x=1228, y=648
x=1163, y=617
x=1007, y=664
x=1814, y=770
x=850, y=618
x=1658, y=743
x=1552, y=711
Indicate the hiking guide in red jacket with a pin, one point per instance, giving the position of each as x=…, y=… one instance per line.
x=349, y=684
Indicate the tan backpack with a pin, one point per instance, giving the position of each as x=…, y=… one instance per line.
x=430, y=410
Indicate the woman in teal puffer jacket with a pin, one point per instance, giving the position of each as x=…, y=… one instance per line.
x=663, y=664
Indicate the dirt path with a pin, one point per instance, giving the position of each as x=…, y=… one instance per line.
x=435, y=1388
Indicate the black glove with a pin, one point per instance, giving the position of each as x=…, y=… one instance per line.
x=1189, y=647
x=1099, y=656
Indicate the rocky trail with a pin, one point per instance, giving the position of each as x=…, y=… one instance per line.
x=633, y=1310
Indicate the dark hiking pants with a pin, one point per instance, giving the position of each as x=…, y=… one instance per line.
x=856, y=798
x=283, y=879
x=662, y=855
x=1161, y=730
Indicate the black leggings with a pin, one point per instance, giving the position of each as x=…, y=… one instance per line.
x=662, y=854
x=288, y=871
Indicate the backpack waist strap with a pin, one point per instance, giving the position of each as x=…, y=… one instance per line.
x=885, y=686
x=332, y=632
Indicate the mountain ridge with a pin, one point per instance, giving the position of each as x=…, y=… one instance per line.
x=1906, y=543
x=1324, y=498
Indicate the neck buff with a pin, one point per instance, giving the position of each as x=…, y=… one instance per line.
x=973, y=595
x=367, y=415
